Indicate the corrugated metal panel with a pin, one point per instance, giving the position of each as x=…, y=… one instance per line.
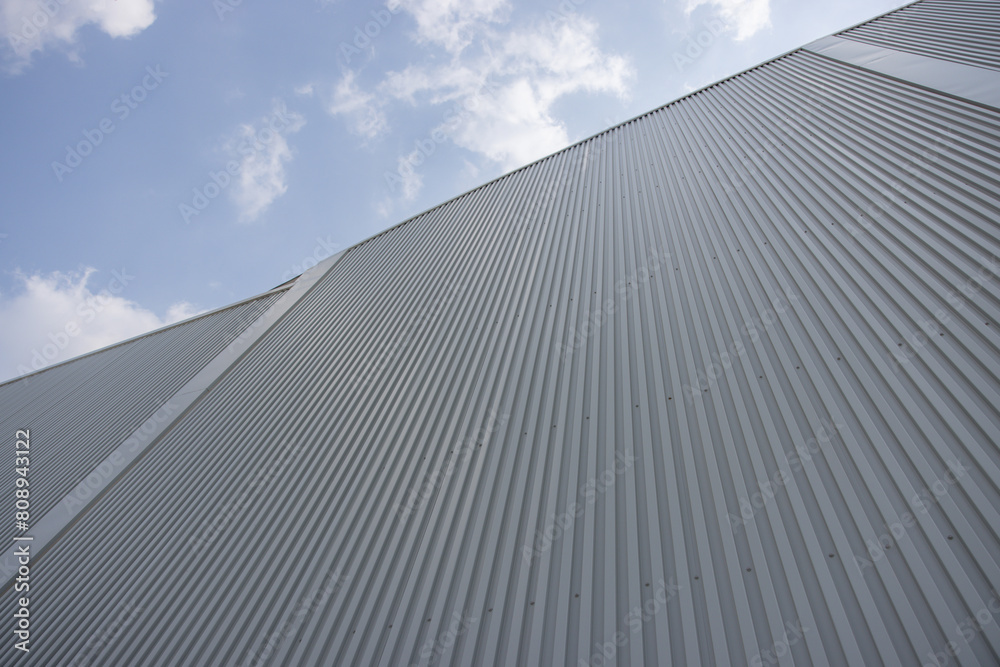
x=966, y=82
x=84, y=408
x=963, y=31
x=751, y=335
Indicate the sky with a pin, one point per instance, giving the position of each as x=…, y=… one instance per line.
x=162, y=159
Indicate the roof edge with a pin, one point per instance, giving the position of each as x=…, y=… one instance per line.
x=281, y=288
x=623, y=123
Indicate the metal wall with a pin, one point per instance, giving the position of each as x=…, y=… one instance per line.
x=82, y=409
x=963, y=31
x=717, y=386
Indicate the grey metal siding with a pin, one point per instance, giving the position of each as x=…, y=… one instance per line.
x=963, y=31
x=84, y=408
x=752, y=335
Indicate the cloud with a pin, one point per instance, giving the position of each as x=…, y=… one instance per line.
x=412, y=182
x=60, y=316
x=513, y=130
x=262, y=150
x=500, y=104
x=362, y=112
x=746, y=16
x=496, y=100
x=384, y=208
x=453, y=24
x=29, y=26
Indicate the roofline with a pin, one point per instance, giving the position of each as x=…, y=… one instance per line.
x=286, y=285
x=618, y=125
x=281, y=288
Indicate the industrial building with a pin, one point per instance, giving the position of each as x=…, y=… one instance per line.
x=719, y=385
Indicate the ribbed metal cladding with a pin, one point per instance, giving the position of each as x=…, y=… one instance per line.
x=752, y=335
x=83, y=409
x=963, y=31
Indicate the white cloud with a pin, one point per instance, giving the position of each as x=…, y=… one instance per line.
x=453, y=24
x=500, y=104
x=29, y=26
x=358, y=107
x=513, y=130
x=497, y=99
x=60, y=316
x=412, y=181
x=470, y=169
x=746, y=16
x=384, y=208
x=262, y=151
x=305, y=90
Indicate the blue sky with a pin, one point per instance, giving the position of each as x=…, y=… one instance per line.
x=162, y=159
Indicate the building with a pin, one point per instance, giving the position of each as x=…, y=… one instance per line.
x=716, y=386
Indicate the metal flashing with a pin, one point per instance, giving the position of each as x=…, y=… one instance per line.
x=51, y=524
x=969, y=82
